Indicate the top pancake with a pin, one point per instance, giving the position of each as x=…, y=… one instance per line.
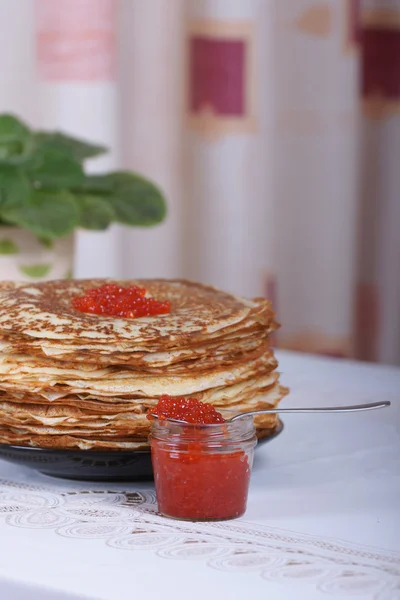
x=44, y=310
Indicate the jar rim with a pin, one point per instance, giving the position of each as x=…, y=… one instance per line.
x=239, y=430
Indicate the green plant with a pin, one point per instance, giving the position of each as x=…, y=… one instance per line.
x=44, y=187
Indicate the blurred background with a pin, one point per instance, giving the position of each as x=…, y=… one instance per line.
x=273, y=128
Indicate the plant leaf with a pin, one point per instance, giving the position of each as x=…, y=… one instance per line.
x=46, y=242
x=14, y=136
x=47, y=214
x=8, y=246
x=135, y=200
x=98, y=184
x=14, y=187
x=10, y=152
x=52, y=169
x=78, y=149
x=12, y=129
x=96, y=212
x=35, y=271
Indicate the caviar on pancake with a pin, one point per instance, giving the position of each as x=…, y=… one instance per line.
x=201, y=467
x=115, y=300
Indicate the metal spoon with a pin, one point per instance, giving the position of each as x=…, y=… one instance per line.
x=313, y=409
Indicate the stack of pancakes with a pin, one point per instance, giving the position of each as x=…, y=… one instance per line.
x=70, y=379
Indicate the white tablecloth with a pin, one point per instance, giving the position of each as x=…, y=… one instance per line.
x=323, y=517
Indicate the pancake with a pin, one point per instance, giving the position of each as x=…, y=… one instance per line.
x=129, y=382
x=44, y=310
x=75, y=380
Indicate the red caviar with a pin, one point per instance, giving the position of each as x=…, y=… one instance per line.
x=115, y=300
x=201, y=468
x=199, y=486
x=189, y=410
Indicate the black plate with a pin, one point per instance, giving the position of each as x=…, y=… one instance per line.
x=91, y=465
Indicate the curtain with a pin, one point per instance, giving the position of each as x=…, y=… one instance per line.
x=273, y=127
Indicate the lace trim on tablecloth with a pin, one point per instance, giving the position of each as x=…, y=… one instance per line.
x=129, y=521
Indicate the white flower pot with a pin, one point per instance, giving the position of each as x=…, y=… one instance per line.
x=24, y=258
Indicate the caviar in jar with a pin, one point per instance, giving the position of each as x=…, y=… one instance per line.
x=202, y=471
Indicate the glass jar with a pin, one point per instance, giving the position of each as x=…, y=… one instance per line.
x=202, y=472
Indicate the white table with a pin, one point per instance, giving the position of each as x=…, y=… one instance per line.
x=323, y=518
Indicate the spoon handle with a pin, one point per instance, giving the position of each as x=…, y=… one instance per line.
x=317, y=409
